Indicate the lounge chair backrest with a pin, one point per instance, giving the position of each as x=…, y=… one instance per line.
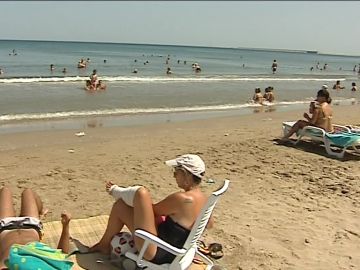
x=204, y=216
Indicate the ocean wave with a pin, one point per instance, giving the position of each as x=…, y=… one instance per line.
x=133, y=111
x=162, y=79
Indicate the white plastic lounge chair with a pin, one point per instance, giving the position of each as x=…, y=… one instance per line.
x=186, y=254
x=342, y=138
x=354, y=129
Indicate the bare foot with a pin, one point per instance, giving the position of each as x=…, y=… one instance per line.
x=100, y=248
x=43, y=213
x=108, y=185
x=284, y=139
x=65, y=218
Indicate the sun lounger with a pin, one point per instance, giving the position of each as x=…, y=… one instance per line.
x=354, y=129
x=342, y=138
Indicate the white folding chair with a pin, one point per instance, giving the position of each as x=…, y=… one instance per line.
x=186, y=254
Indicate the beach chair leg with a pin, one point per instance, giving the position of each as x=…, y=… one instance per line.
x=356, y=148
x=331, y=152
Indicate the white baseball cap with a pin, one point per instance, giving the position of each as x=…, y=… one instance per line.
x=192, y=163
x=324, y=87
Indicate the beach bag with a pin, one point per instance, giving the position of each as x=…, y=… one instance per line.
x=37, y=255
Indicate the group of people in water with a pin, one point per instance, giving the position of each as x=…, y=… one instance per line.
x=338, y=86
x=171, y=219
x=267, y=97
x=93, y=83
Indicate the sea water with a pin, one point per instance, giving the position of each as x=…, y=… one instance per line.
x=30, y=90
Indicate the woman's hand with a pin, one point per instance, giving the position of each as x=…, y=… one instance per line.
x=306, y=116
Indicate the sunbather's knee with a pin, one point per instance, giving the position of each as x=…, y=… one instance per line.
x=27, y=192
x=143, y=193
x=5, y=189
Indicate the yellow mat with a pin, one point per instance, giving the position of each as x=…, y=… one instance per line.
x=87, y=232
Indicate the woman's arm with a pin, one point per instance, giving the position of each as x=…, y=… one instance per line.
x=315, y=116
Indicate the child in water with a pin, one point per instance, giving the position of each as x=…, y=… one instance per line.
x=269, y=95
x=353, y=87
x=258, y=97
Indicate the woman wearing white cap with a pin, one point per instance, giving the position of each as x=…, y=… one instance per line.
x=134, y=209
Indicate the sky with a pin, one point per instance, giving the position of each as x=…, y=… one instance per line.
x=325, y=26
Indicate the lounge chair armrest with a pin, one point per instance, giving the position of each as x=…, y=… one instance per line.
x=150, y=238
x=312, y=128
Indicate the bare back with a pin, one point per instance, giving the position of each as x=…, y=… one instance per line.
x=324, y=119
x=182, y=207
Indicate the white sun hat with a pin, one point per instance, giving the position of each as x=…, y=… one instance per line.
x=192, y=163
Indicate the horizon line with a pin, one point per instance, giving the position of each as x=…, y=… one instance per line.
x=197, y=46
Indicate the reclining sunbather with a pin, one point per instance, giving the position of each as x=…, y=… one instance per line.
x=135, y=209
x=27, y=227
x=321, y=115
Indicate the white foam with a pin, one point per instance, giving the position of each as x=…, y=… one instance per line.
x=118, y=111
x=161, y=79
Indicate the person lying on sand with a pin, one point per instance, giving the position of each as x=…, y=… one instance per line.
x=27, y=227
x=134, y=208
x=321, y=115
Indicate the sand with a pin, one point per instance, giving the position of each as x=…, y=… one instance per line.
x=286, y=208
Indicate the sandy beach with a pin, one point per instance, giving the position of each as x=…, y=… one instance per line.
x=286, y=208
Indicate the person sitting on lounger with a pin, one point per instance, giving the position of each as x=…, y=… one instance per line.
x=171, y=219
x=27, y=227
x=321, y=115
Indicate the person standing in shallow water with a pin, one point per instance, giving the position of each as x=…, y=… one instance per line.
x=338, y=86
x=274, y=66
x=94, y=79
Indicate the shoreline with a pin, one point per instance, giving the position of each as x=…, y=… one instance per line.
x=286, y=207
x=139, y=119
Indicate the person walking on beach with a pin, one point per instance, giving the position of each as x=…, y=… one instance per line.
x=171, y=219
x=27, y=227
x=274, y=66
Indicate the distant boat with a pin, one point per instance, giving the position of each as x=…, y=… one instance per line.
x=314, y=52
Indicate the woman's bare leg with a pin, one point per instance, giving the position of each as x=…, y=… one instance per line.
x=144, y=218
x=298, y=125
x=6, y=203
x=31, y=204
x=141, y=216
x=121, y=214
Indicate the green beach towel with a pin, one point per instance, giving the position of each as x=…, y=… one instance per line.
x=37, y=256
x=343, y=139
